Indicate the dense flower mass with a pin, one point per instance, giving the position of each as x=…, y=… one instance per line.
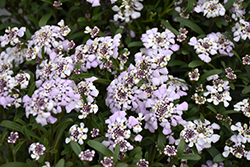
x=212, y=44
x=199, y=134
x=50, y=98
x=210, y=8
x=125, y=83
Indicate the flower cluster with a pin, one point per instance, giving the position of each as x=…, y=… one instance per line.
x=36, y=150
x=236, y=144
x=119, y=131
x=210, y=8
x=160, y=41
x=210, y=163
x=87, y=155
x=12, y=36
x=78, y=134
x=243, y=106
x=212, y=44
x=237, y=10
x=49, y=99
x=230, y=74
x=127, y=9
x=241, y=30
x=219, y=91
x=199, y=134
x=97, y=52
x=45, y=40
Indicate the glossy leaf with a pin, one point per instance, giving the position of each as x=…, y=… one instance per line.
x=100, y=148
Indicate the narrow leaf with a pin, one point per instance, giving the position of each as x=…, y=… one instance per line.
x=210, y=107
x=168, y=26
x=15, y=164
x=43, y=21
x=229, y=4
x=135, y=44
x=194, y=157
x=17, y=147
x=60, y=163
x=246, y=90
x=209, y=73
x=219, y=158
x=195, y=63
x=181, y=147
x=75, y=147
x=190, y=24
x=100, y=147
x=11, y=125
x=116, y=153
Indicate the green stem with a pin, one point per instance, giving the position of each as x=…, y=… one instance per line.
x=166, y=10
x=14, y=155
x=157, y=3
x=153, y=155
x=171, y=162
x=160, y=158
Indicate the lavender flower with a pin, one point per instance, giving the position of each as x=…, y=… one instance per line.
x=210, y=163
x=108, y=162
x=87, y=155
x=194, y=75
x=13, y=137
x=142, y=163
x=127, y=9
x=94, y=2
x=95, y=132
x=78, y=134
x=246, y=60
x=241, y=30
x=210, y=8
x=57, y=4
x=170, y=151
x=49, y=98
x=211, y=45
x=36, y=150
x=12, y=36
x=199, y=134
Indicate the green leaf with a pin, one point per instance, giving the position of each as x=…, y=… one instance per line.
x=194, y=157
x=17, y=147
x=202, y=118
x=135, y=44
x=181, y=147
x=209, y=73
x=48, y=1
x=2, y=4
x=75, y=147
x=232, y=86
x=53, y=151
x=60, y=163
x=31, y=89
x=15, y=164
x=100, y=147
x=195, y=63
x=43, y=21
x=119, y=31
x=134, y=151
x=84, y=75
x=237, y=55
x=189, y=6
x=219, y=158
x=174, y=62
x=81, y=19
x=96, y=16
x=190, y=24
x=246, y=90
x=116, y=152
x=11, y=125
x=121, y=165
x=210, y=107
x=156, y=164
x=161, y=141
x=213, y=151
x=229, y=4
x=34, y=20
x=230, y=112
x=139, y=83
x=68, y=164
x=78, y=65
x=168, y=26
